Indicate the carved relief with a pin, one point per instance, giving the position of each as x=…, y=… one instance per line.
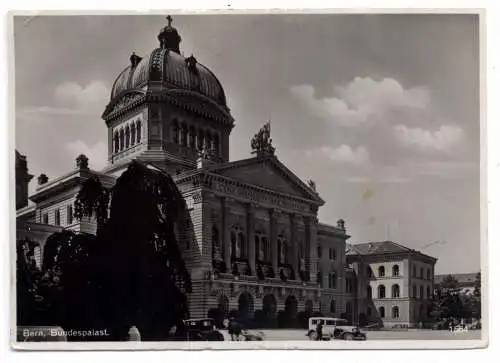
x=126, y=100
x=226, y=187
x=197, y=197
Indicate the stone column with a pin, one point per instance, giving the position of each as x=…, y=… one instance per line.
x=226, y=235
x=311, y=246
x=294, y=248
x=251, y=236
x=273, y=241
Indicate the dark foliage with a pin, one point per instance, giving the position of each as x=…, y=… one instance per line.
x=132, y=272
x=27, y=281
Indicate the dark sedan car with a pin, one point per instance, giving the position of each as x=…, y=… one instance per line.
x=198, y=330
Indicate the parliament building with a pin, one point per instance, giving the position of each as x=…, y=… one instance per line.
x=253, y=241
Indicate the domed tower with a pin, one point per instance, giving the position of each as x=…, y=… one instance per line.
x=166, y=109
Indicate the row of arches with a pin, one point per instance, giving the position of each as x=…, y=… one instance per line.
x=396, y=272
x=195, y=138
x=381, y=271
x=394, y=312
x=396, y=291
x=239, y=247
x=127, y=136
x=381, y=291
x=246, y=306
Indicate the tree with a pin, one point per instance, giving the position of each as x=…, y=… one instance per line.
x=27, y=280
x=142, y=275
x=476, y=300
x=130, y=273
x=449, y=302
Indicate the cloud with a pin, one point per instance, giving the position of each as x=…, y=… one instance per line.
x=97, y=153
x=361, y=99
x=92, y=96
x=47, y=110
x=444, y=139
x=342, y=154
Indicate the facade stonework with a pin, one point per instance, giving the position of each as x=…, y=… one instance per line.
x=252, y=240
x=394, y=284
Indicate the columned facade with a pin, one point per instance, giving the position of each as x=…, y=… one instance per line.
x=251, y=236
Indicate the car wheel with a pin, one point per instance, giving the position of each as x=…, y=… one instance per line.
x=313, y=335
x=348, y=337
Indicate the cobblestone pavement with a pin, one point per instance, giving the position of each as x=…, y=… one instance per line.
x=413, y=334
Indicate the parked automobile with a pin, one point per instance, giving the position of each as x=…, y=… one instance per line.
x=249, y=335
x=334, y=328
x=199, y=330
x=441, y=325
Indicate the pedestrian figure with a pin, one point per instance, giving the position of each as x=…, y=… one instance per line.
x=234, y=329
x=237, y=329
x=319, y=330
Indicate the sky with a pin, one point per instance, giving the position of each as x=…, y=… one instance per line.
x=381, y=111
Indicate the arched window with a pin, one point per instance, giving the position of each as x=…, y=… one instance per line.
x=333, y=307
x=428, y=274
x=201, y=140
x=238, y=245
x=262, y=246
x=216, y=145
x=421, y=273
x=242, y=245
x=116, y=140
x=395, y=290
x=369, y=272
x=381, y=312
x=139, y=130
x=381, y=292
x=216, y=247
x=369, y=292
x=381, y=271
x=122, y=140
x=183, y=134
x=175, y=132
x=208, y=141
x=302, y=262
x=428, y=292
x=234, y=252
x=266, y=250
x=421, y=292
x=132, y=134
x=414, y=288
x=395, y=312
x=282, y=249
x=127, y=136
x=332, y=280
x=192, y=138
x=395, y=270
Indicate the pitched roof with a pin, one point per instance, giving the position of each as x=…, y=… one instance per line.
x=228, y=169
x=376, y=248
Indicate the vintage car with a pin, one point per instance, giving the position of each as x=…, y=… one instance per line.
x=249, y=335
x=199, y=330
x=334, y=328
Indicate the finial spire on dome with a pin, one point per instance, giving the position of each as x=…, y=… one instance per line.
x=169, y=37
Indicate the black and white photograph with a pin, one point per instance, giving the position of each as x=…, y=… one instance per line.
x=247, y=180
